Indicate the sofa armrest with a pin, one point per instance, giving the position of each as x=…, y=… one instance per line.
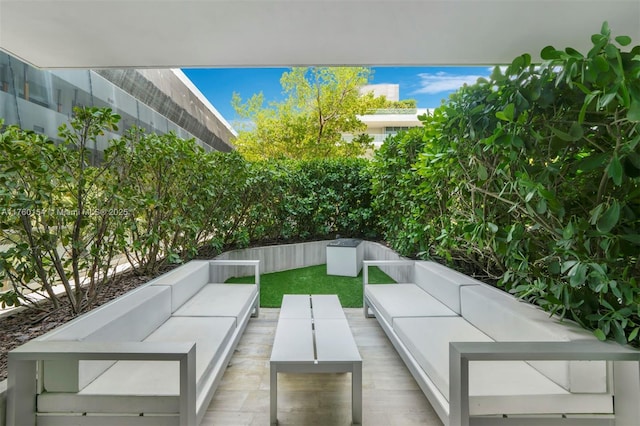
x=256, y=266
x=22, y=367
x=365, y=277
x=460, y=353
x=381, y=263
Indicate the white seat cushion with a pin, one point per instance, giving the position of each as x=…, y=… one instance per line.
x=495, y=387
x=405, y=300
x=220, y=300
x=211, y=335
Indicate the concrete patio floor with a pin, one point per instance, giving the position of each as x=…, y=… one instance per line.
x=390, y=395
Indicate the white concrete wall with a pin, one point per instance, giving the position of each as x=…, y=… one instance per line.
x=275, y=258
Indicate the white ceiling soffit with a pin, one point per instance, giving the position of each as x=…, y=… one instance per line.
x=231, y=33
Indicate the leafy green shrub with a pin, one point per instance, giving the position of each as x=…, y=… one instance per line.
x=298, y=200
x=327, y=197
x=57, y=226
x=172, y=189
x=535, y=172
x=394, y=181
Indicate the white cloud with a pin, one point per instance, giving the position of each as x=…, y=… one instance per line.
x=439, y=82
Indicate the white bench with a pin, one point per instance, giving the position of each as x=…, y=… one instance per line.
x=482, y=357
x=153, y=356
x=313, y=336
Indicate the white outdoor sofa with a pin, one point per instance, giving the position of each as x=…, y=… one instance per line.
x=153, y=356
x=482, y=357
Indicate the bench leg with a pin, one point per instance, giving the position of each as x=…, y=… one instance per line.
x=273, y=391
x=366, y=309
x=356, y=393
x=21, y=393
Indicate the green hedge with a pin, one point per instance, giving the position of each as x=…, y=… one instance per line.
x=531, y=178
x=156, y=199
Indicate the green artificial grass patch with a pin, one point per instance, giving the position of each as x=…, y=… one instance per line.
x=312, y=280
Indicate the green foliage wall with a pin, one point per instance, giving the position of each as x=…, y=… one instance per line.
x=311, y=199
x=531, y=178
x=59, y=215
x=156, y=200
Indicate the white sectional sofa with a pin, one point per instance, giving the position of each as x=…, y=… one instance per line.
x=483, y=357
x=154, y=356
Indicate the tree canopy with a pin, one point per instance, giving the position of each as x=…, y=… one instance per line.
x=321, y=103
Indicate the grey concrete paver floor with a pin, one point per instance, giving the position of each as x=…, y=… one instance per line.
x=390, y=395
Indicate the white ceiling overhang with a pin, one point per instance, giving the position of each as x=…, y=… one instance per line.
x=213, y=33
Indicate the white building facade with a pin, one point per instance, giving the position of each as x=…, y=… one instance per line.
x=382, y=123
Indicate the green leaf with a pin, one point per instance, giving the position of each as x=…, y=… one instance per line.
x=541, y=206
x=601, y=64
x=573, y=53
x=615, y=170
x=507, y=113
x=549, y=53
x=576, y=131
x=595, y=213
x=492, y=227
x=623, y=40
x=633, y=334
x=634, y=159
x=618, y=333
x=606, y=99
x=609, y=219
x=611, y=51
x=562, y=135
x=592, y=162
x=634, y=111
x=517, y=141
x=568, y=264
x=568, y=231
x=482, y=172
x=578, y=274
x=632, y=238
x=529, y=196
x=599, y=334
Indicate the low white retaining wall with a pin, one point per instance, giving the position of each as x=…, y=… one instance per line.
x=293, y=256
x=279, y=257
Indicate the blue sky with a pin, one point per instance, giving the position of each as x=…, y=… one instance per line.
x=428, y=85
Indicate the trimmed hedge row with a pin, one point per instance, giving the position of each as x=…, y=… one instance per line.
x=156, y=199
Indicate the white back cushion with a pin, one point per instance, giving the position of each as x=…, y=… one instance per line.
x=220, y=300
x=405, y=300
x=184, y=281
x=442, y=283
